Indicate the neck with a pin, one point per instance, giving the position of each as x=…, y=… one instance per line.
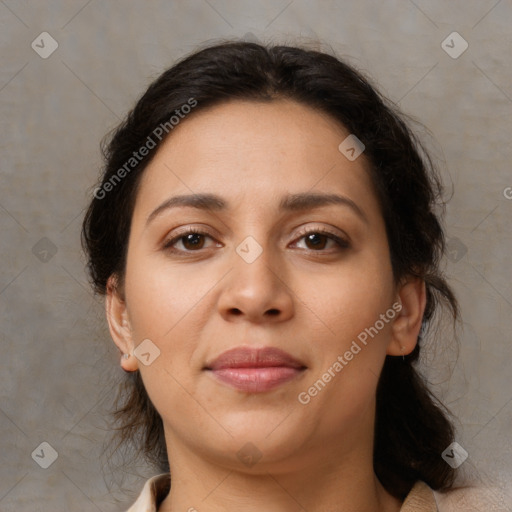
x=316, y=485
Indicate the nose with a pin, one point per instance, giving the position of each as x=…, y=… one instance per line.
x=259, y=291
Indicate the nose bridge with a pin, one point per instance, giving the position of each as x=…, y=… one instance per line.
x=255, y=253
x=255, y=263
x=255, y=286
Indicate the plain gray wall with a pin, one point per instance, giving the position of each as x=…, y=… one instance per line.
x=57, y=360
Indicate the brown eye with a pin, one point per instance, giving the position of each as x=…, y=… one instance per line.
x=316, y=239
x=191, y=240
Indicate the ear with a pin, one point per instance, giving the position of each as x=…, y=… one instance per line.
x=119, y=324
x=405, y=329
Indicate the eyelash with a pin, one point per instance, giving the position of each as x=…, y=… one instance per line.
x=342, y=243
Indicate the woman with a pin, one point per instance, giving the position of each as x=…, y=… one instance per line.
x=266, y=238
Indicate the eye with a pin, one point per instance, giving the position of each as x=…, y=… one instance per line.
x=191, y=239
x=318, y=237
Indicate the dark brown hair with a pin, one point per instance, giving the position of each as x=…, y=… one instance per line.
x=411, y=428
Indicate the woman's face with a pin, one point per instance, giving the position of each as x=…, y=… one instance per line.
x=253, y=278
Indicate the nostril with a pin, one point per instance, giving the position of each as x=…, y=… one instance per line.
x=273, y=312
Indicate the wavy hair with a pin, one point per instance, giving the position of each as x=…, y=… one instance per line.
x=411, y=427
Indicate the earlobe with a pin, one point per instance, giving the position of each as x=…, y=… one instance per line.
x=119, y=324
x=407, y=325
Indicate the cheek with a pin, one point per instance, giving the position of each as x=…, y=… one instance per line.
x=348, y=358
x=163, y=295
x=350, y=298
x=350, y=301
x=166, y=305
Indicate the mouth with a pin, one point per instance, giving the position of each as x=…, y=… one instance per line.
x=255, y=370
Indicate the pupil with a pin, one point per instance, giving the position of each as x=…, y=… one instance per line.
x=193, y=239
x=318, y=241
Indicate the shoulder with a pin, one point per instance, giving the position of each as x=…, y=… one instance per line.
x=459, y=499
x=474, y=499
x=154, y=491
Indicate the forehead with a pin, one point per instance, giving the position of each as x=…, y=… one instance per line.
x=254, y=153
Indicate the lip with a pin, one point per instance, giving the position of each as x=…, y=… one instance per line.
x=255, y=369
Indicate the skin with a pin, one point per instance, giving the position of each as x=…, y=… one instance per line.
x=309, y=300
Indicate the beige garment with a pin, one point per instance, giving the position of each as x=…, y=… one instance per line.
x=420, y=499
x=481, y=498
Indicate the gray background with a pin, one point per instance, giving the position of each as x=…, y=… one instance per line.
x=58, y=365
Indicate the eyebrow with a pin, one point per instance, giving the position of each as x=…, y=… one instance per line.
x=289, y=203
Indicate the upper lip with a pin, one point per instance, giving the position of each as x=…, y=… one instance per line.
x=247, y=357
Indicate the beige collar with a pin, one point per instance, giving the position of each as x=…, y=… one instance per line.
x=420, y=499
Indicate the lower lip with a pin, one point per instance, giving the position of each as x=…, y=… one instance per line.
x=256, y=380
